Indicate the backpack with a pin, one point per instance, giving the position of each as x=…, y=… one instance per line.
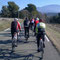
x=26, y=23
x=14, y=26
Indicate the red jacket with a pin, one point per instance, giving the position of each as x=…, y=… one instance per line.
x=36, y=22
x=18, y=26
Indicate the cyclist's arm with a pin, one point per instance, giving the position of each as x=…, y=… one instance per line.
x=19, y=26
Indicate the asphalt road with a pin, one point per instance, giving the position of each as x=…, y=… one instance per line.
x=25, y=51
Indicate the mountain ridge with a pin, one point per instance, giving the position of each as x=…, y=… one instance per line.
x=54, y=8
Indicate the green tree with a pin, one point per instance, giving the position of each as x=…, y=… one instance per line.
x=31, y=7
x=23, y=14
x=13, y=8
x=5, y=12
x=32, y=10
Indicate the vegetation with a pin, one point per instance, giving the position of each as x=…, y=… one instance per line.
x=55, y=19
x=53, y=33
x=6, y=23
x=12, y=11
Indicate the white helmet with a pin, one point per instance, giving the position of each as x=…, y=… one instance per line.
x=37, y=18
x=15, y=19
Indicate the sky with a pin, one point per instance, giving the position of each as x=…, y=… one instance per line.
x=23, y=3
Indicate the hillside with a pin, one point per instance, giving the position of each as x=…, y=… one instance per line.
x=49, y=9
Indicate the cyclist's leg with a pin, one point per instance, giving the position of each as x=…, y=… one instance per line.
x=35, y=31
x=28, y=31
x=32, y=26
x=43, y=37
x=12, y=34
x=15, y=38
x=25, y=31
x=38, y=42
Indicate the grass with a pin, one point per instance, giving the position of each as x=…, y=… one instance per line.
x=54, y=35
x=4, y=24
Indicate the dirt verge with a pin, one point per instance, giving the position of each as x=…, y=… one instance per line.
x=54, y=36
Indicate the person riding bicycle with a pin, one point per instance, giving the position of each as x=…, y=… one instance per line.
x=15, y=27
x=35, y=23
x=40, y=30
x=26, y=26
x=32, y=23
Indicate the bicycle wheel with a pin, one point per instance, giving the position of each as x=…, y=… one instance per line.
x=14, y=42
x=13, y=45
x=41, y=48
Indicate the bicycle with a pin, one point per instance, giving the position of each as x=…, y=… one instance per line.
x=14, y=41
x=26, y=36
x=41, y=47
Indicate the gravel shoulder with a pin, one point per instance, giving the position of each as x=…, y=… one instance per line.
x=53, y=33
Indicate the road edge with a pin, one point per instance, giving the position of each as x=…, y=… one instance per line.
x=53, y=44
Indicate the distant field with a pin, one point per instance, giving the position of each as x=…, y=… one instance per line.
x=53, y=32
x=6, y=23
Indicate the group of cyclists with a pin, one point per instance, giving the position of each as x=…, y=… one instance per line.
x=39, y=29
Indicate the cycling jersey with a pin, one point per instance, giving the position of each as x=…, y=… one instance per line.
x=36, y=22
x=26, y=23
x=15, y=25
x=40, y=26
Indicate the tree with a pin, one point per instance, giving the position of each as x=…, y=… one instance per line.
x=59, y=14
x=13, y=8
x=5, y=12
x=23, y=14
x=31, y=8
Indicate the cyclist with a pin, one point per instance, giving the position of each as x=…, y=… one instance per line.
x=35, y=23
x=32, y=23
x=15, y=28
x=40, y=30
x=26, y=26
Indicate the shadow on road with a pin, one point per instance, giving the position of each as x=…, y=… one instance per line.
x=5, y=41
x=5, y=34
x=7, y=55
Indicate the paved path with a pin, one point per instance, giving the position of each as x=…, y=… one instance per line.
x=25, y=51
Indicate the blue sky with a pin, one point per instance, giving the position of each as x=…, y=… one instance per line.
x=23, y=3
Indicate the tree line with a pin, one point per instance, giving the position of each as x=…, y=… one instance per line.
x=54, y=19
x=12, y=11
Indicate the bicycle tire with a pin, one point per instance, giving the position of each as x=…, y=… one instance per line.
x=42, y=50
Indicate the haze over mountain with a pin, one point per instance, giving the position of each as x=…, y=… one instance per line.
x=49, y=9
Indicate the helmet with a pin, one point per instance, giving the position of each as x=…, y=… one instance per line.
x=37, y=18
x=26, y=18
x=41, y=20
x=15, y=19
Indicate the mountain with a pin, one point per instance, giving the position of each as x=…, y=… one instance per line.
x=49, y=9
